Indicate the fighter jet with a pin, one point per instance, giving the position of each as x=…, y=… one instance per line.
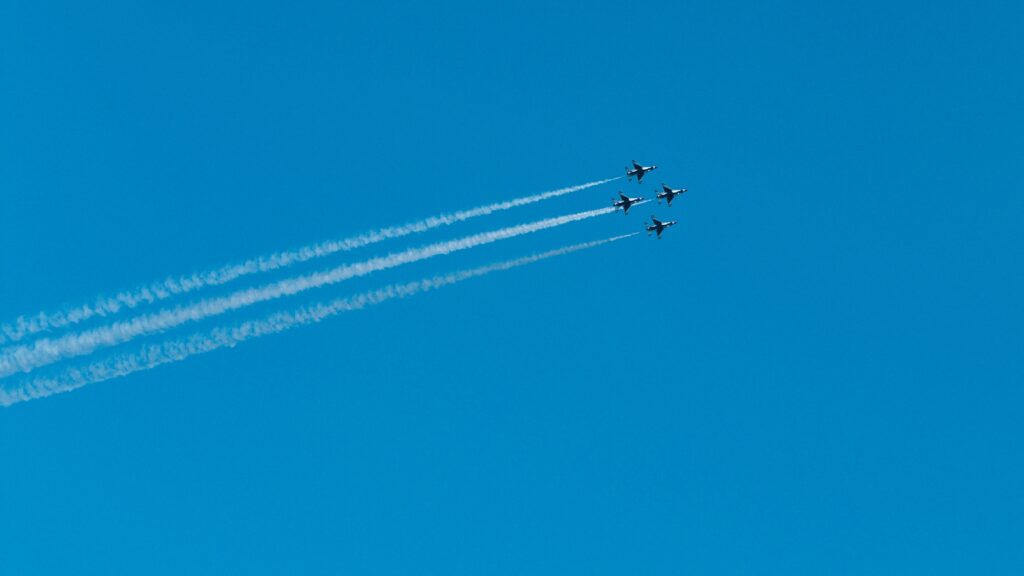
x=669, y=194
x=625, y=202
x=658, y=226
x=638, y=171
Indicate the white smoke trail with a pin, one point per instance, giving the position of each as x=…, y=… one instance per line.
x=47, y=351
x=153, y=355
x=105, y=306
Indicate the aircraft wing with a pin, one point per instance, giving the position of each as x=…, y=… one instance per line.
x=624, y=197
x=656, y=222
x=636, y=166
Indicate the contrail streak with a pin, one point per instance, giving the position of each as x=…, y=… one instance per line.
x=105, y=306
x=46, y=351
x=153, y=355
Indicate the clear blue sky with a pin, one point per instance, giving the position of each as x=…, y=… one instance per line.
x=818, y=371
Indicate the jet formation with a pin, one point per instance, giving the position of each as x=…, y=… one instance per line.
x=667, y=193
